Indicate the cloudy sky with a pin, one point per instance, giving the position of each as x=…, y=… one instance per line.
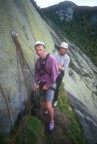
x=46, y=3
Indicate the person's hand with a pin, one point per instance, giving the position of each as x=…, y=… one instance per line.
x=60, y=67
x=45, y=87
x=36, y=86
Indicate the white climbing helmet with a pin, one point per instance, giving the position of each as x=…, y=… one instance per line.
x=64, y=45
x=39, y=43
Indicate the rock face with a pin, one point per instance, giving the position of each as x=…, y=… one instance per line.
x=21, y=16
x=81, y=86
x=80, y=79
x=66, y=14
x=80, y=83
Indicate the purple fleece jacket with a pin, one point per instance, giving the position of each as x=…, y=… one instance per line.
x=51, y=67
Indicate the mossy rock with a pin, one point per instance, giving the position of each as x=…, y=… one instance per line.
x=34, y=132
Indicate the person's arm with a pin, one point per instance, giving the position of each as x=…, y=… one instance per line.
x=61, y=68
x=65, y=65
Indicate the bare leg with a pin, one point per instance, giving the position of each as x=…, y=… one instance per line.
x=51, y=110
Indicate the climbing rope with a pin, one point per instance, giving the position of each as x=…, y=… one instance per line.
x=27, y=45
x=36, y=95
x=13, y=33
x=21, y=59
x=18, y=53
x=9, y=115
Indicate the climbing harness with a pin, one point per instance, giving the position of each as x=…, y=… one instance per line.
x=19, y=58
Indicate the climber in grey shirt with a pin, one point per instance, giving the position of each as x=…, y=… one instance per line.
x=63, y=61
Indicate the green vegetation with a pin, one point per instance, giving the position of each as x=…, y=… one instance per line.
x=5, y=139
x=81, y=30
x=74, y=131
x=67, y=127
x=34, y=132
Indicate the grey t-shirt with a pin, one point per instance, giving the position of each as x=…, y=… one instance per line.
x=63, y=60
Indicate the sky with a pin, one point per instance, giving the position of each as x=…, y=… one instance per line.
x=46, y=3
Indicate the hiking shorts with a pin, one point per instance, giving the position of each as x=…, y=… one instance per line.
x=49, y=95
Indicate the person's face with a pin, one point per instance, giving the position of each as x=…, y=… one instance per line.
x=62, y=51
x=40, y=50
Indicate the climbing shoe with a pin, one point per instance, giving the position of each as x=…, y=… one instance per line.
x=51, y=125
x=55, y=103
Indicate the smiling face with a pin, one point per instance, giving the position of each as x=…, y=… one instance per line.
x=40, y=50
x=62, y=51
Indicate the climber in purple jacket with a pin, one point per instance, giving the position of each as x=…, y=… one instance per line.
x=46, y=72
